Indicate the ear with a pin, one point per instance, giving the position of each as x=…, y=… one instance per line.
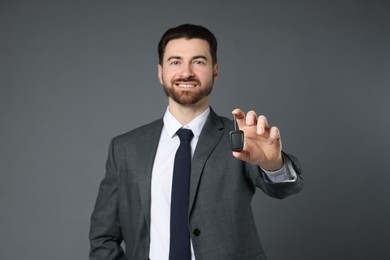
x=215, y=71
x=160, y=77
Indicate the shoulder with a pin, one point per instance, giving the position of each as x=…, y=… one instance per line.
x=147, y=131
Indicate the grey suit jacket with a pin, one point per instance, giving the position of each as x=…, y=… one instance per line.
x=220, y=214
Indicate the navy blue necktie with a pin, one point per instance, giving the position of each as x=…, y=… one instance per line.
x=179, y=248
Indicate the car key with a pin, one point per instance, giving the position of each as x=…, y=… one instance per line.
x=236, y=137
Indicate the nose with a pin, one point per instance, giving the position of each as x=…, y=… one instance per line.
x=187, y=71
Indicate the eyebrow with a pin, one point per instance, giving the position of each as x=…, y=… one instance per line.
x=193, y=58
x=199, y=57
x=174, y=58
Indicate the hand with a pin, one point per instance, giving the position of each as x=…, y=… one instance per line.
x=262, y=144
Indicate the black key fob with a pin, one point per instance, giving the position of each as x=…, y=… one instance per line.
x=236, y=137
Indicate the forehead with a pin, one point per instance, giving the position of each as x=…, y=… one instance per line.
x=187, y=48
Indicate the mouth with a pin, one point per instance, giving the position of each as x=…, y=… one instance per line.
x=186, y=85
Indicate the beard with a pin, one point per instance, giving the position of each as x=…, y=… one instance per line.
x=185, y=97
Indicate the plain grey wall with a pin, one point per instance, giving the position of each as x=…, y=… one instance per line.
x=73, y=74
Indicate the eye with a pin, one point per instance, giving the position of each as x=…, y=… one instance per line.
x=199, y=62
x=174, y=62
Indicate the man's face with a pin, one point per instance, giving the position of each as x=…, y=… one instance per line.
x=187, y=72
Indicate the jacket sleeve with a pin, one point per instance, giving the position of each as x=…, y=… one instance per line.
x=105, y=233
x=279, y=190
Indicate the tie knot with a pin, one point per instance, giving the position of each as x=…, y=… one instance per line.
x=184, y=134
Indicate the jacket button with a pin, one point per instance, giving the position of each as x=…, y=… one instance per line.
x=196, y=232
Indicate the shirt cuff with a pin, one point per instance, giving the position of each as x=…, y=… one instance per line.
x=285, y=174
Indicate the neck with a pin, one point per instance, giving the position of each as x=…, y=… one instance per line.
x=186, y=113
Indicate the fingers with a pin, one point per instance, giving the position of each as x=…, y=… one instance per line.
x=239, y=114
x=245, y=120
x=261, y=122
x=240, y=117
x=251, y=119
x=262, y=125
x=263, y=128
x=274, y=135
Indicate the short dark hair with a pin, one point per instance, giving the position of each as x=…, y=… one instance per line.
x=188, y=31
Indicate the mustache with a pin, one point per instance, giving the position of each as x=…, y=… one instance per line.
x=187, y=79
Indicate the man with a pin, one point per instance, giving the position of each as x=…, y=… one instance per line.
x=137, y=193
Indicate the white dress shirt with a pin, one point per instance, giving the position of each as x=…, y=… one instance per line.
x=162, y=181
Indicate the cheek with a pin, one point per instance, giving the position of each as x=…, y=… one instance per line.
x=206, y=76
x=168, y=74
x=163, y=77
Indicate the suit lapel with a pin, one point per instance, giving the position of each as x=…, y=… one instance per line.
x=149, y=144
x=208, y=139
x=210, y=136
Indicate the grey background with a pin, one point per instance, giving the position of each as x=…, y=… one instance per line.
x=76, y=73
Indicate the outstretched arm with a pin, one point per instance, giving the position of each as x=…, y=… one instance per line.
x=280, y=173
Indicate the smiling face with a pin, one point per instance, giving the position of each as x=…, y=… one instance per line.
x=187, y=72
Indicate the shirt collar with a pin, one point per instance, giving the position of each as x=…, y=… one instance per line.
x=172, y=124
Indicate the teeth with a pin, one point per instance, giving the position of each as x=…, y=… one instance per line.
x=186, y=85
